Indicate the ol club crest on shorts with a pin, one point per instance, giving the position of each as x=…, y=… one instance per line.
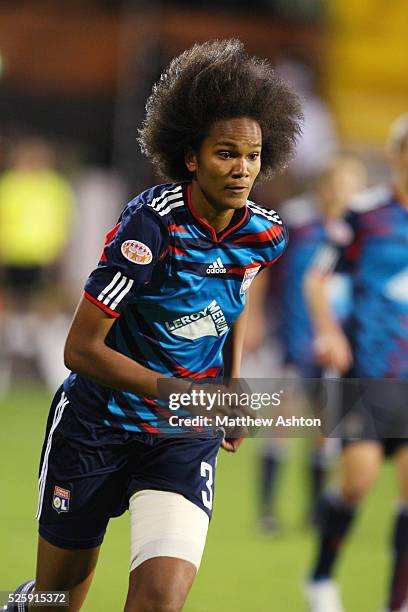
x=249, y=276
x=136, y=252
x=60, y=499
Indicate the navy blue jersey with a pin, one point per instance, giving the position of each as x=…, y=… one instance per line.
x=175, y=288
x=308, y=232
x=374, y=249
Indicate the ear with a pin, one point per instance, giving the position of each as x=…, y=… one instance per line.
x=190, y=159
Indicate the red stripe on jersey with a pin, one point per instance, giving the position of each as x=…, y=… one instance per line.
x=163, y=255
x=210, y=227
x=102, y=306
x=109, y=237
x=177, y=228
x=149, y=401
x=234, y=227
x=166, y=413
x=163, y=411
x=111, y=234
x=243, y=269
x=176, y=251
x=271, y=232
x=353, y=252
x=195, y=215
x=210, y=372
x=148, y=427
x=264, y=264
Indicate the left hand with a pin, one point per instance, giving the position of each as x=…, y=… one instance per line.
x=231, y=445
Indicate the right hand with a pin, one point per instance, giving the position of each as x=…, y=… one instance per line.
x=333, y=350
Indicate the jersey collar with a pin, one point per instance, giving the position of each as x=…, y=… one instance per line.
x=238, y=219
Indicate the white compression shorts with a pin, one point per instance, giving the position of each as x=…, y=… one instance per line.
x=165, y=524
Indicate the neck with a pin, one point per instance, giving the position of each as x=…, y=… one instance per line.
x=404, y=188
x=329, y=209
x=401, y=187
x=207, y=211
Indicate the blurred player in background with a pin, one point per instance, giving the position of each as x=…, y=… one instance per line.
x=36, y=213
x=372, y=244
x=167, y=300
x=309, y=218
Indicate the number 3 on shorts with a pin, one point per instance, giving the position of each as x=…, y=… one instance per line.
x=206, y=471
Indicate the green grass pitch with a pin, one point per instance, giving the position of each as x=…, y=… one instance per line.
x=241, y=570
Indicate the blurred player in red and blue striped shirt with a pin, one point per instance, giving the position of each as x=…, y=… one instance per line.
x=372, y=245
x=309, y=217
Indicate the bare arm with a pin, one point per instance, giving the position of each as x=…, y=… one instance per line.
x=87, y=354
x=232, y=364
x=234, y=345
x=259, y=288
x=331, y=346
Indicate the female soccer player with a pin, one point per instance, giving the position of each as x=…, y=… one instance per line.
x=373, y=247
x=308, y=217
x=166, y=300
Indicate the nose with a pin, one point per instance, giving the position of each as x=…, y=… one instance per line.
x=240, y=167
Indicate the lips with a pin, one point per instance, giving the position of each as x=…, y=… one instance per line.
x=237, y=188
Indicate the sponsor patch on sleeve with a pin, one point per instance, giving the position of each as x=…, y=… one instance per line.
x=137, y=252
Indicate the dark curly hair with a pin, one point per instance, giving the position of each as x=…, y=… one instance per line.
x=212, y=81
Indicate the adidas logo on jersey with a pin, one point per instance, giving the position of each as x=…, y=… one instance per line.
x=217, y=267
x=210, y=321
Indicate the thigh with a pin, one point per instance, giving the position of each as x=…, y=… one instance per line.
x=160, y=584
x=60, y=569
x=171, y=491
x=166, y=524
x=360, y=464
x=168, y=534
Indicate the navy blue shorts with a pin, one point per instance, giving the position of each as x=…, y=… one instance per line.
x=88, y=472
x=375, y=410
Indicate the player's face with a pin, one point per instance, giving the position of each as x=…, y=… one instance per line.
x=347, y=178
x=228, y=162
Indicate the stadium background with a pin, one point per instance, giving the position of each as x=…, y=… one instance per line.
x=77, y=74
